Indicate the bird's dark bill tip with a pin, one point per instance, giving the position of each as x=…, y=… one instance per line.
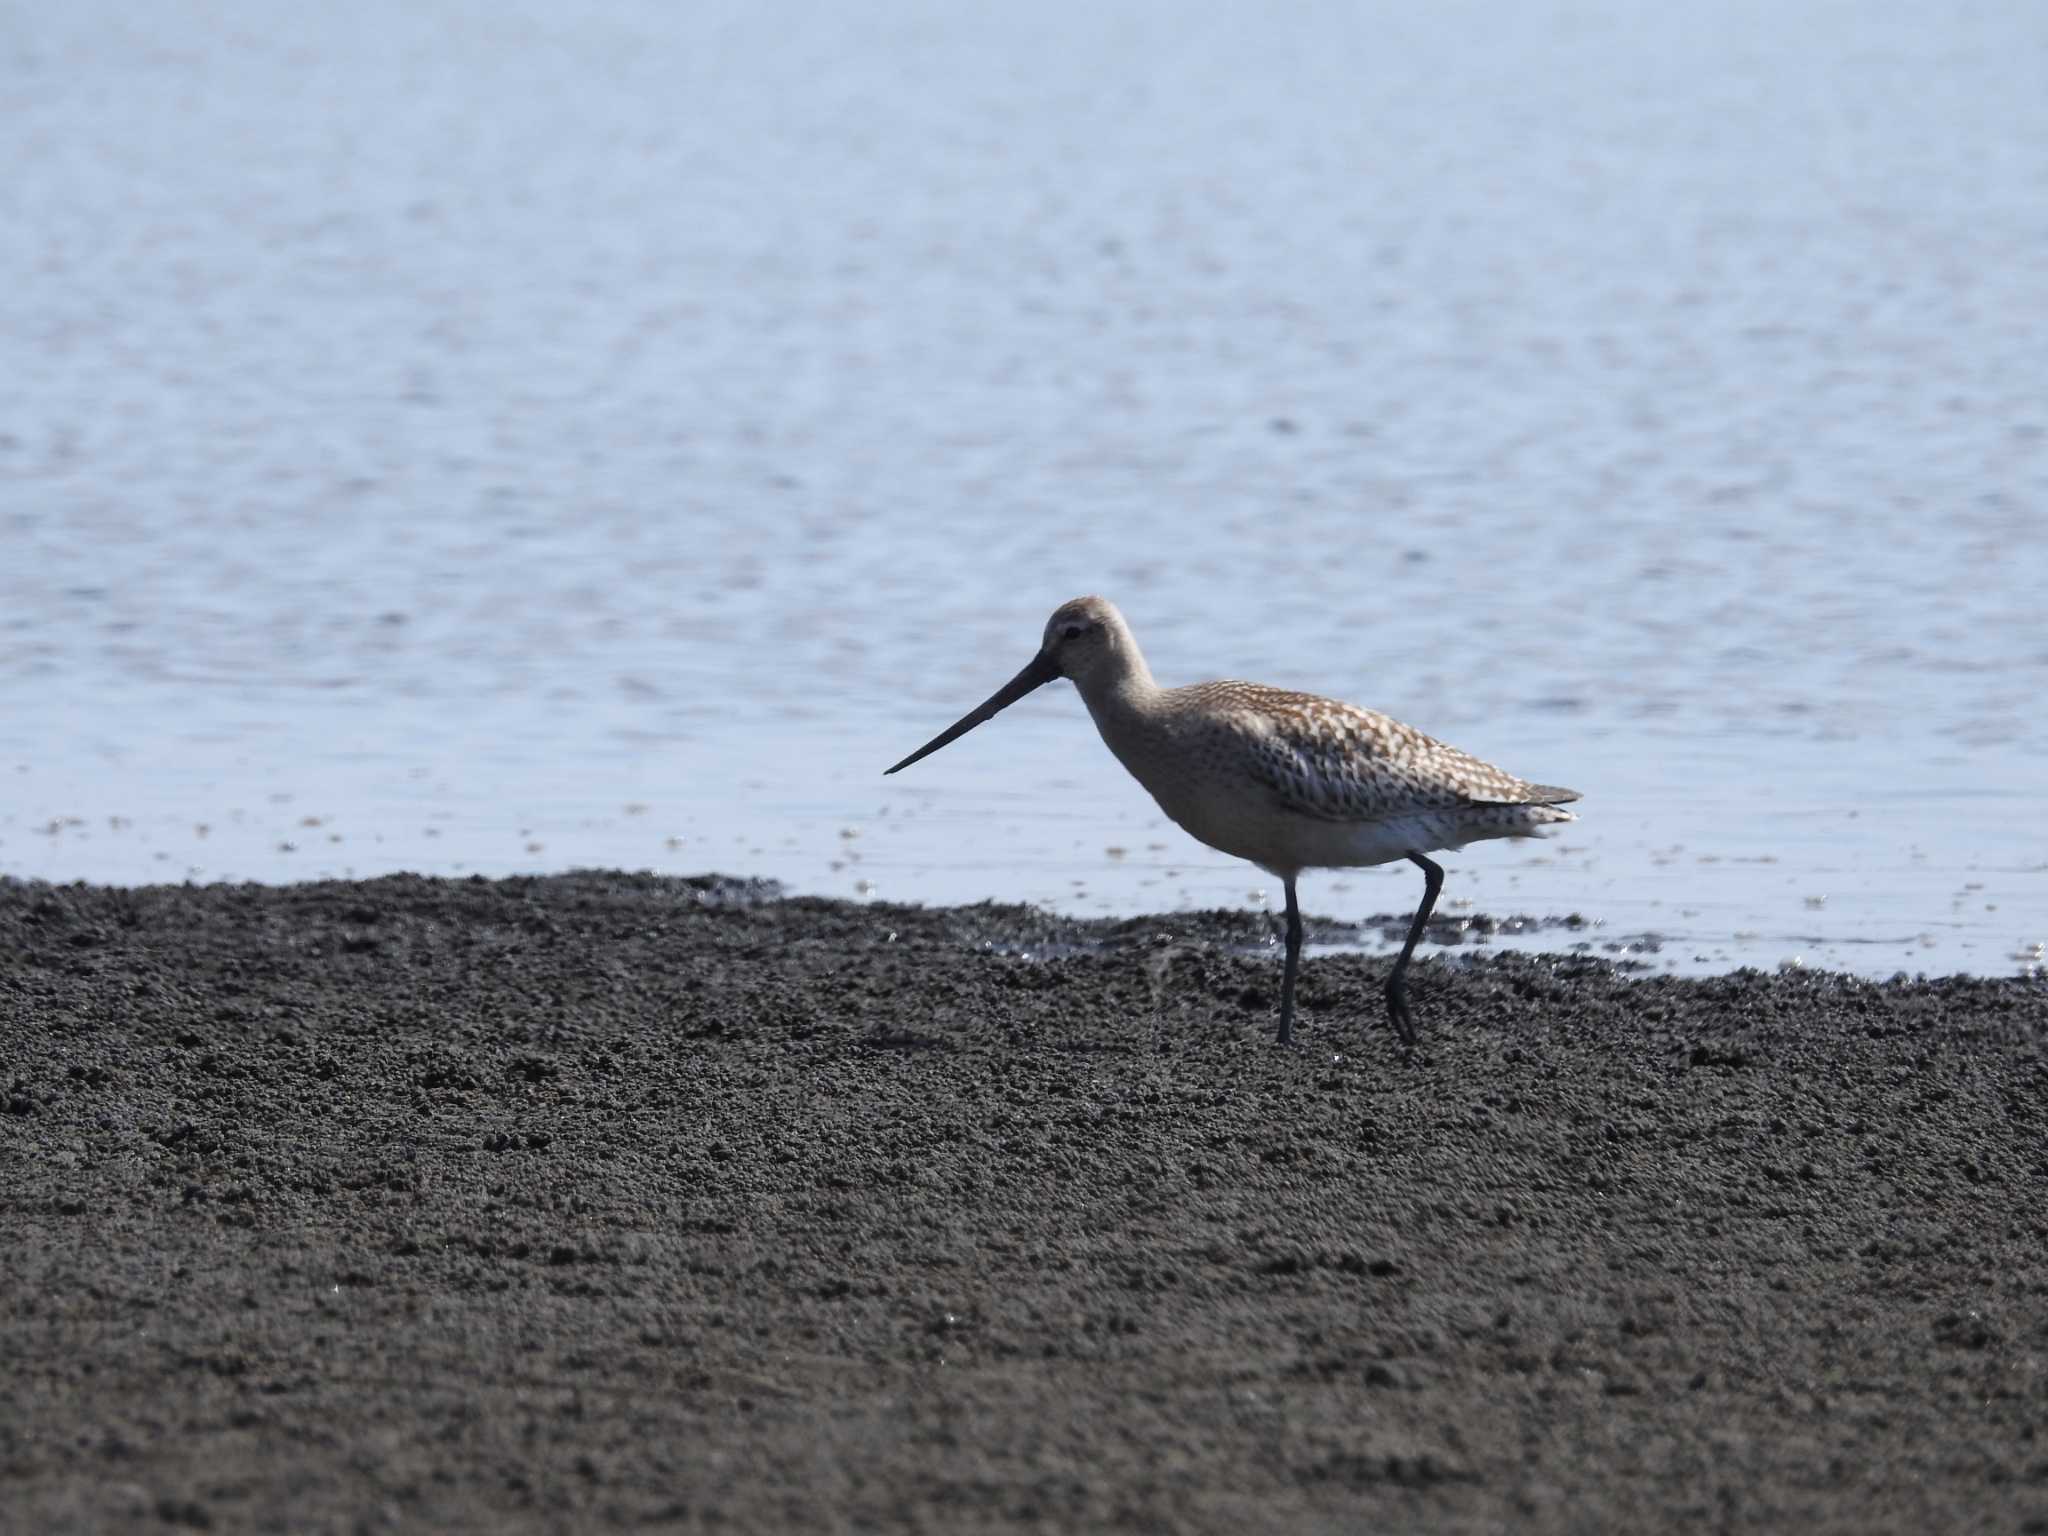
x=1040, y=670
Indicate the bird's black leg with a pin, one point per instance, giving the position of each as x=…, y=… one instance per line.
x=1397, y=991
x=1293, y=964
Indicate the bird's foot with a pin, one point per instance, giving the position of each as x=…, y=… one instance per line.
x=1397, y=1013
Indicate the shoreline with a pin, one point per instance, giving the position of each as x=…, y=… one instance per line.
x=1464, y=938
x=599, y=1199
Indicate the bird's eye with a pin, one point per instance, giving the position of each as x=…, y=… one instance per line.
x=1071, y=631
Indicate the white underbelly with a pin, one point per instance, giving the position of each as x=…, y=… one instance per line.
x=1283, y=841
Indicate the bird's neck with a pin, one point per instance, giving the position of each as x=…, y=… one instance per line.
x=1120, y=699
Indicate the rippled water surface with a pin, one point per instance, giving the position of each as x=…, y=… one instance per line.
x=469, y=437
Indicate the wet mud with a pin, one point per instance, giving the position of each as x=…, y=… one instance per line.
x=609, y=1201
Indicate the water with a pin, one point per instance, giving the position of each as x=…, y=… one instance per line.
x=477, y=438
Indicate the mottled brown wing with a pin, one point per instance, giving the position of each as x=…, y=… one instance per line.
x=1337, y=762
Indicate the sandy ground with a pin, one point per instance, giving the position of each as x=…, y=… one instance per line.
x=605, y=1201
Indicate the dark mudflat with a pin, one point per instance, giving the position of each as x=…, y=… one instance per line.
x=605, y=1200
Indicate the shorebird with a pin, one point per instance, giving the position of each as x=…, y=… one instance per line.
x=1287, y=780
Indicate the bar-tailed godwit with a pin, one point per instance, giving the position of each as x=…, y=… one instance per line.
x=1289, y=781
